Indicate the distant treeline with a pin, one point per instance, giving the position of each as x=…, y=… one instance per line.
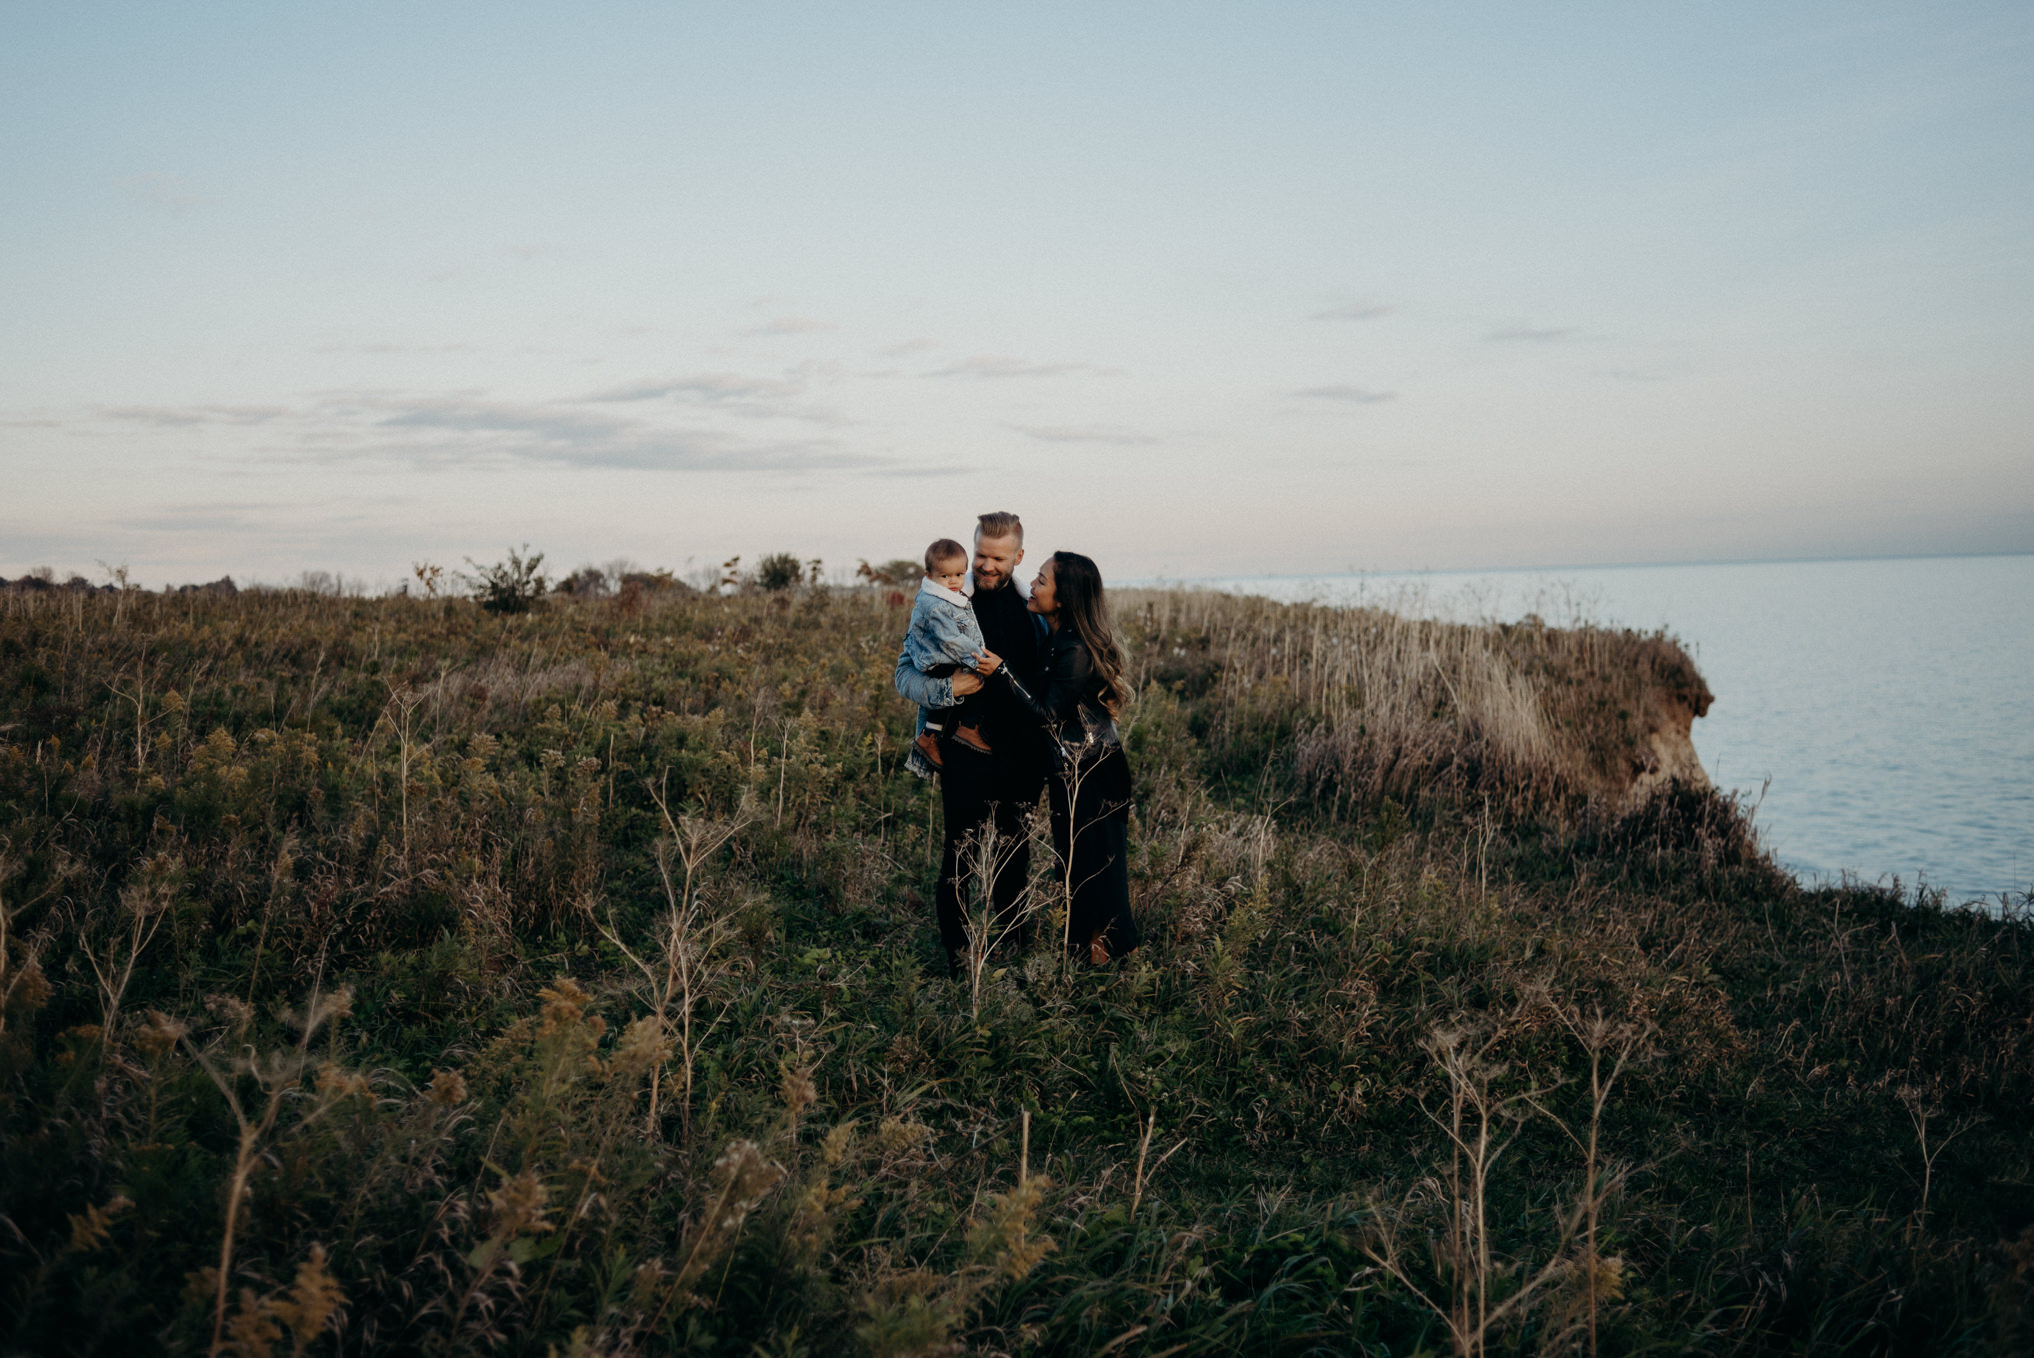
x=513, y=584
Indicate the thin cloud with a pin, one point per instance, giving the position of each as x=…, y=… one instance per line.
x=791, y=325
x=1630, y=375
x=497, y=417
x=1000, y=366
x=1353, y=395
x=184, y=416
x=1531, y=334
x=469, y=429
x=910, y=346
x=1095, y=433
x=1354, y=311
x=206, y=517
x=379, y=347
x=717, y=388
x=533, y=250
x=739, y=393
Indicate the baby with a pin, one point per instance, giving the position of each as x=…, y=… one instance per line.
x=943, y=638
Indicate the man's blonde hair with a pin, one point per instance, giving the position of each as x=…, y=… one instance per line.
x=1000, y=523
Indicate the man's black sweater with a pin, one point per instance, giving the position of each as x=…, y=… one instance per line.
x=1014, y=633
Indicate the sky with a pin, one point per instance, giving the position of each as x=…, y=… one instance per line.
x=1198, y=289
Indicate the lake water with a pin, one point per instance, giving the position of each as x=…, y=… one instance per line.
x=1881, y=712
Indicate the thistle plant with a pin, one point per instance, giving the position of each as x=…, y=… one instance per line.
x=689, y=943
x=985, y=858
x=257, y=1087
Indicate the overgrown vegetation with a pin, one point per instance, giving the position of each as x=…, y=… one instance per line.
x=389, y=975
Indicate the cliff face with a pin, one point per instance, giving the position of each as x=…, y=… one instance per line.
x=1667, y=749
x=1375, y=705
x=1621, y=705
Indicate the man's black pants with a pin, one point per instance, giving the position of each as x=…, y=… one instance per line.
x=987, y=844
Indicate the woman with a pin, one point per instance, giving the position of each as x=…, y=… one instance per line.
x=1090, y=788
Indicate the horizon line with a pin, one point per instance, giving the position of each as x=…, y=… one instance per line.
x=1590, y=566
x=1162, y=579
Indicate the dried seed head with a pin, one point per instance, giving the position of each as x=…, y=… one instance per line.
x=159, y=1035
x=145, y=898
x=747, y=1175
x=901, y=1134
x=648, y=1282
x=643, y=1048
x=799, y=1093
x=234, y=1013
x=252, y=1332
x=447, y=1088
x=337, y=1082
x=564, y=1001
x=838, y=1141
x=27, y=992
x=333, y=1005
x=314, y=1298
x=519, y=1205
x=90, y=1227
x=1002, y=1237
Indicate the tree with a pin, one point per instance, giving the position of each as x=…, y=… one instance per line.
x=509, y=586
x=778, y=571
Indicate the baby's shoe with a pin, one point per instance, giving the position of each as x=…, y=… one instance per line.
x=928, y=745
x=971, y=736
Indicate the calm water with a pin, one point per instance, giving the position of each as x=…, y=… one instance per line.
x=1885, y=707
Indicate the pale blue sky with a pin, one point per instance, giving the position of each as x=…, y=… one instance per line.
x=1200, y=289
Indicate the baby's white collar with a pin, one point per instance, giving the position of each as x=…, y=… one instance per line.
x=928, y=585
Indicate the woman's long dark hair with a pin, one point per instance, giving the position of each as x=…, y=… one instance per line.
x=1082, y=608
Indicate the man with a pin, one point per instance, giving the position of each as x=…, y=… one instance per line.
x=980, y=791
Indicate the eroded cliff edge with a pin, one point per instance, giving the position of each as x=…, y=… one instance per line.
x=1371, y=705
x=1622, y=705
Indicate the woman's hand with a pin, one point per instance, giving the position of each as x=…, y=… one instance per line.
x=965, y=682
x=987, y=663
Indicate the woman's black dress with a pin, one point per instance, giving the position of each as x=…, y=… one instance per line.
x=1090, y=796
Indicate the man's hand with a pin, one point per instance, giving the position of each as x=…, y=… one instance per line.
x=965, y=682
x=987, y=663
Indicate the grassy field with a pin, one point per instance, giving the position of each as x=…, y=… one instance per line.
x=388, y=976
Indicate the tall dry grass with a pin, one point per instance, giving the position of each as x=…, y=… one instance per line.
x=1821, y=1148
x=1372, y=704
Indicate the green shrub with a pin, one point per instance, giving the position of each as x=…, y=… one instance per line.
x=779, y=571
x=510, y=586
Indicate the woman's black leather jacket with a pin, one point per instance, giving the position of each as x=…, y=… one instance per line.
x=1071, y=708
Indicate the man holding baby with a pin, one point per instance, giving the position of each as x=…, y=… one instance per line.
x=996, y=787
